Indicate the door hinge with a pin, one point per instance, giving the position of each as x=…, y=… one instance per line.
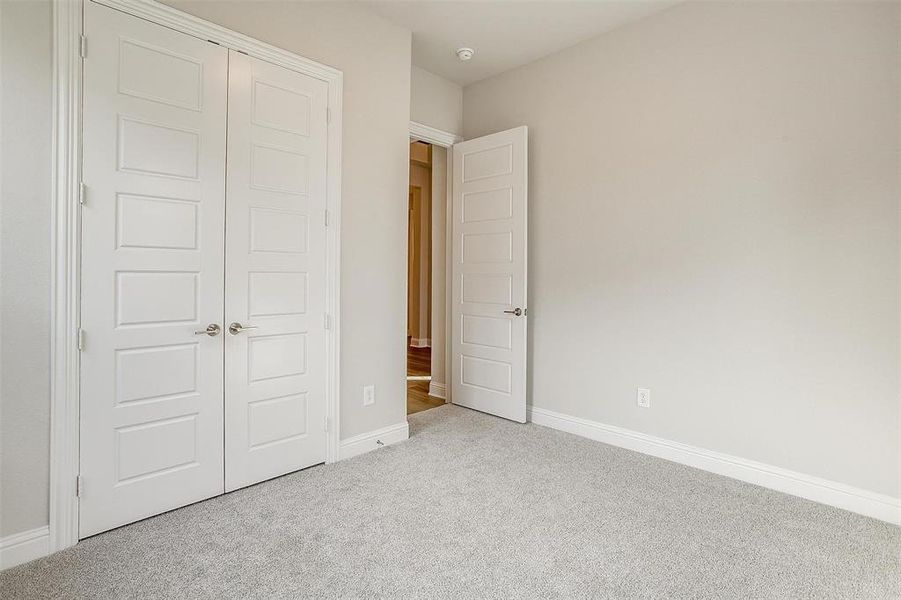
x=326, y=321
x=82, y=193
x=79, y=486
x=328, y=115
x=80, y=341
x=83, y=46
x=327, y=219
x=325, y=424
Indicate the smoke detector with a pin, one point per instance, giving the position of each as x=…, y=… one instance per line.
x=465, y=54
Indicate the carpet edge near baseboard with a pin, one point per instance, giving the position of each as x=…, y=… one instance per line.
x=831, y=493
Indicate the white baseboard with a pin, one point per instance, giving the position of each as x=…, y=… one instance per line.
x=23, y=547
x=824, y=491
x=420, y=343
x=439, y=390
x=360, y=444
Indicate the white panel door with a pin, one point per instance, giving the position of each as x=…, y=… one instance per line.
x=489, y=274
x=275, y=277
x=152, y=263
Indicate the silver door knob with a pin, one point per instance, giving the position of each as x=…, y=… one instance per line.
x=211, y=330
x=516, y=311
x=236, y=328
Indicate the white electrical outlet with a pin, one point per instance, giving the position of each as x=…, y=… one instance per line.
x=368, y=395
x=644, y=398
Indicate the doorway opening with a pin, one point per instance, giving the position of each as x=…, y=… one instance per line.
x=419, y=275
x=426, y=198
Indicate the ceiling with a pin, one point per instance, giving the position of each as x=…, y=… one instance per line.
x=504, y=34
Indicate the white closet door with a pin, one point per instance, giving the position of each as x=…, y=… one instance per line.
x=275, y=276
x=490, y=251
x=152, y=259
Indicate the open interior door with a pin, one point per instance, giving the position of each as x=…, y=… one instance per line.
x=489, y=312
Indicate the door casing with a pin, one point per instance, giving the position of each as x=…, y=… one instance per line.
x=69, y=50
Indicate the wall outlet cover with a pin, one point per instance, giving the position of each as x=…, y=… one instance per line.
x=368, y=395
x=644, y=398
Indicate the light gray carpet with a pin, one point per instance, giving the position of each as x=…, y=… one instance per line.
x=476, y=507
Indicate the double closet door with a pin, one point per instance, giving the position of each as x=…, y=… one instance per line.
x=203, y=270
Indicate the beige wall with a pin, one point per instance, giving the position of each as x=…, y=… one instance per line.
x=24, y=265
x=714, y=215
x=435, y=101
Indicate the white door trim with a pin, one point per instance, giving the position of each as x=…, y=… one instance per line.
x=64, y=316
x=66, y=172
x=424, y=133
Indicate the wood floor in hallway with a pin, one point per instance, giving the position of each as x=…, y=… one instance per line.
x=419, y=366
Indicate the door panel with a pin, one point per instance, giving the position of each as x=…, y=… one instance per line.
x=152, y=264
x=489, y=274
x=275, y=280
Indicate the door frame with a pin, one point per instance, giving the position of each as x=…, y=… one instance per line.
x=68, y=51
x=420, y=132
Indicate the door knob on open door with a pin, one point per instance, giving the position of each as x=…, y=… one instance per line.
x=516, y=311
x=236, y=328
x=211, y=330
